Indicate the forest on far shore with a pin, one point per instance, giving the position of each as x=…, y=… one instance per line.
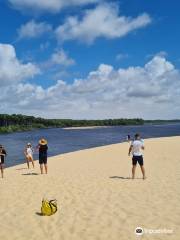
x=18, y=122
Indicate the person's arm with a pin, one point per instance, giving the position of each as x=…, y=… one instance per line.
x=142, y=146
x=25, y=151
x=37, y=147
x=130, y=149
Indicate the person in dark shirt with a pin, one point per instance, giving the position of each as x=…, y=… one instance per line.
x=2, y=157
x=43, y=147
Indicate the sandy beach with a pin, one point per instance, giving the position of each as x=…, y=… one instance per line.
x=97, y=200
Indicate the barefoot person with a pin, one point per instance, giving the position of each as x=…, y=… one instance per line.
x=136, y=149
x=42, y=147
x=29, y=154
x=2, y=157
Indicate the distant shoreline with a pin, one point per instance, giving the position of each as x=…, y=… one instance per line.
x=87, y=127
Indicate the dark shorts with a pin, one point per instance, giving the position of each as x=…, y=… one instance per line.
x=138, y=159
x=2, y=161
x=42, y=159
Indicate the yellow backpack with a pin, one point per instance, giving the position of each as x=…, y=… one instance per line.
x=48, y=208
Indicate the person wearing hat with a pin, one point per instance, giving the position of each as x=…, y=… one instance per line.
x=43, y=147
x=28, y=152
x=2, y=157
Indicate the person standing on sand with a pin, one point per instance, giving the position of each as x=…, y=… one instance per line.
x=136, y=149
x=128, y=139
x=43, y=147
x=28, y=152
x=2, y=157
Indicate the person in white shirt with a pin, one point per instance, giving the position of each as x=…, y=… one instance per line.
x=28, y=152
x=137, y=156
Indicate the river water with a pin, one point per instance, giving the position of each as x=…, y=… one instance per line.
x=69, y=140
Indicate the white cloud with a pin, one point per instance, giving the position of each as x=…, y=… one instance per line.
x=161, y=54
x=33, y=29
x=48, y=5
x=12, y=70
x=57, y=64
x=43, y=46
x=121, y=56
x=102, y=21
x=61, y=58
x=152, y=91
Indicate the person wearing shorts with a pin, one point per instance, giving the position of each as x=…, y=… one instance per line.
x=28, y=152
x=137, y=157
x=2, y=157
x=43, y=147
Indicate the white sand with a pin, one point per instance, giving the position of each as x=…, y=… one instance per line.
x=96, y=201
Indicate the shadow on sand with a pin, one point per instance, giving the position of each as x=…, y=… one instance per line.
x=39, y=214
x=29, y=174
x=118, y=177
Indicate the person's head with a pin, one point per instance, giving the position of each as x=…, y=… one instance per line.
x=137, y=136
x=43, y=141
x=29, y=145
x=1, y=146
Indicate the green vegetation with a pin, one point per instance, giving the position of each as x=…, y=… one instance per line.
x=18, y=122
x=159, y=121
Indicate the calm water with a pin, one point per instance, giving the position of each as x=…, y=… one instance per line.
x=63, y=141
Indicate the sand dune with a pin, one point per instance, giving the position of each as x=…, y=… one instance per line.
x=96, y=198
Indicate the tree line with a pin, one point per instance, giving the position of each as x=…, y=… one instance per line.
x=19, y=122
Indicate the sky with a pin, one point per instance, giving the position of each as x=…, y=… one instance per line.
x=90, y=59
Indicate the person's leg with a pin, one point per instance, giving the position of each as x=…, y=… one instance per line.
x=2, y=171
x=133, y=171
x=27, y=160
x=134, y=162
x=141, y=163
x=46, y=168
x=143, y=171
x=41, y=168
x=32, y=160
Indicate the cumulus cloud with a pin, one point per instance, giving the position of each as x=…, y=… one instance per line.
x=161, y=54
x=48, y=5
x=33, y=29
x=57, y=63
x=12, y=70
x=102, y=21
x=151, y=91
x=61, y=58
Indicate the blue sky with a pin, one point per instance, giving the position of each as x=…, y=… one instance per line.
x=90, y=59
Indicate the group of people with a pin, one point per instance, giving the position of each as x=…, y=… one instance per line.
x=42, y=148
x=136, y=147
